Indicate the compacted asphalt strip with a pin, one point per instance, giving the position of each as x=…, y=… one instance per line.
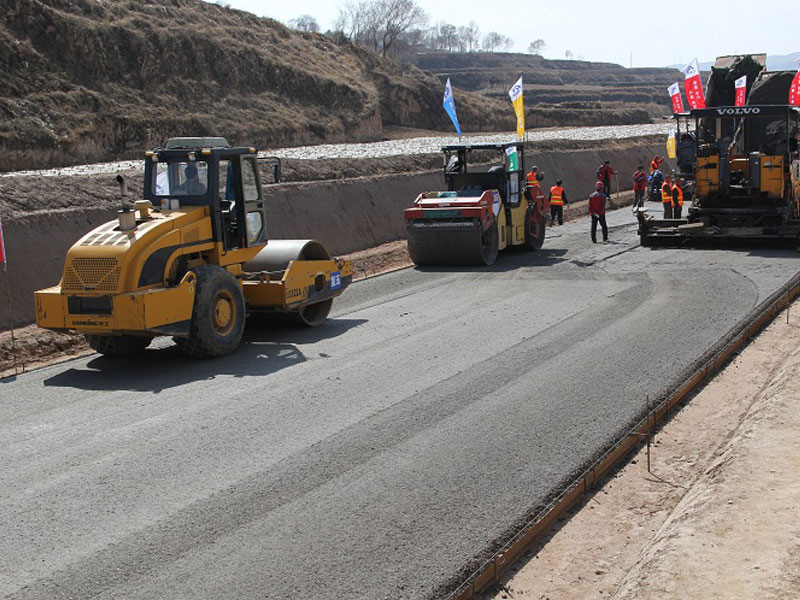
x=382, y=455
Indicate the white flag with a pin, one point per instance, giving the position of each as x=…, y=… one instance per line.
x=516, y=90
x=674, y=89
x=741, y=82
x=691, y=70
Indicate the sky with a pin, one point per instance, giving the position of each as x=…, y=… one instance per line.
x=609, y=31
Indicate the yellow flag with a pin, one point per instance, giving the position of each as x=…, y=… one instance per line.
x=515, y=93
x=671, y=145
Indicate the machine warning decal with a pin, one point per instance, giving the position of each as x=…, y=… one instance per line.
x=336, y=280
x=496, y=202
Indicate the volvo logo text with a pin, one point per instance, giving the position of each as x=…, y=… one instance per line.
x=739, y=110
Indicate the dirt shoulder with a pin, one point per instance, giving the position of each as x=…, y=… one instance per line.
x=716, y=517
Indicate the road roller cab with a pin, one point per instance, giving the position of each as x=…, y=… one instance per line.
x=190, y=259
x=483, y=210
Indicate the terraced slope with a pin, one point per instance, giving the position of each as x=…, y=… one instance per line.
x=88, y=80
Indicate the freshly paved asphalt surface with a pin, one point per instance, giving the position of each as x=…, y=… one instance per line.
x=378, y=456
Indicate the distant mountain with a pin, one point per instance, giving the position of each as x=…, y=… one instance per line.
x=786, y=62
x=775, y=62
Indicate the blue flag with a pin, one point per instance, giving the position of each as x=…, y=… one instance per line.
x=450, y=106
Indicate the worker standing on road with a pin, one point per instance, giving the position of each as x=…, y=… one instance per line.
x=677, y=198
x=656, y=179
x=604, y=173
x=558, y=197
x=666, y=197
x=597, y=210
x=639, y=186
x=655, y=164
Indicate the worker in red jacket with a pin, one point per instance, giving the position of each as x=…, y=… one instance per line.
x=639, y=186
x=597, y=210
x=604, y=173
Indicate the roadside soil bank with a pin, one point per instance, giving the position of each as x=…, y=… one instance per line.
x=716, y=516
x=34, y=347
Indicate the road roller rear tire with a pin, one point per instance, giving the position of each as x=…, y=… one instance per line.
x=490, y=245
x=119, y=345
x=218, y=314
x=534, y=230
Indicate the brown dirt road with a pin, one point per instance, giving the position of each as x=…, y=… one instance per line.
x=717, y=515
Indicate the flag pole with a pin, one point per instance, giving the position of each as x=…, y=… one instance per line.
x=11, y=322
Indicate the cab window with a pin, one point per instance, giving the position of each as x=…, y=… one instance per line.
x=181, y=178
x=249, y=181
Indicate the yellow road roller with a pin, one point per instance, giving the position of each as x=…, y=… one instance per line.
x=190, y=260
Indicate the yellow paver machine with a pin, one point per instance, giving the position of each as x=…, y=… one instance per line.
x=746, y=186
x=190, y=260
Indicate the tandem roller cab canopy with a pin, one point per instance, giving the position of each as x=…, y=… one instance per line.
x=190, y=260
x=483, y=209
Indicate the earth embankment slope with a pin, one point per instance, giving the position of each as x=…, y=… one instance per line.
x=88, y=80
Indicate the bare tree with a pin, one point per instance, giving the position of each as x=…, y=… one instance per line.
x=568, y=54
x=448, y=37
x=357, y=21
x=469, y=37
x=496, y=42
x=380, y=23
x=536, y=47
x=304, y=23
x=492, y=41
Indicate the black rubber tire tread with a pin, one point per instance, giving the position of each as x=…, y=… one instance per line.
x=313, y=314
x=118, y=345
x=203, y=341
x=531, y=242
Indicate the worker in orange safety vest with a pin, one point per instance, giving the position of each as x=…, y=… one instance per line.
x=666, y=197
x=677, y=198
x=558, y=197
x=655, y=163
x=534, y=180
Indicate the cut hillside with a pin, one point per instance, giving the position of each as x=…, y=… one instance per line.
x=89, y=80
x=559, y=92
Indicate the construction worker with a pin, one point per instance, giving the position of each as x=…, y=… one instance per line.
x=534, y=187
x=597, y=210
x=656, y=179
x=558, y=197
x=677, y=198
x=666, y=197
x=604, y=173
x=655, y=164
x=639, y=186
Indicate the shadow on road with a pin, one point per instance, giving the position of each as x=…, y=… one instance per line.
x=508, y=260
x=264, y=351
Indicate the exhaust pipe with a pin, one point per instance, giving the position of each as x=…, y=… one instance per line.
x=126, y=216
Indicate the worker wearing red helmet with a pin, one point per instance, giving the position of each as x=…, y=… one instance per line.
x=597, y=210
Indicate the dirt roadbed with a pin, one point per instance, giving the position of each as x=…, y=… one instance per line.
x=716, y=517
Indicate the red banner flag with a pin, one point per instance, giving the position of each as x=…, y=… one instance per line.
x=675, y=95
x=741, y=90
x=2, y=245
x=692, y=85
x=794, y=91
